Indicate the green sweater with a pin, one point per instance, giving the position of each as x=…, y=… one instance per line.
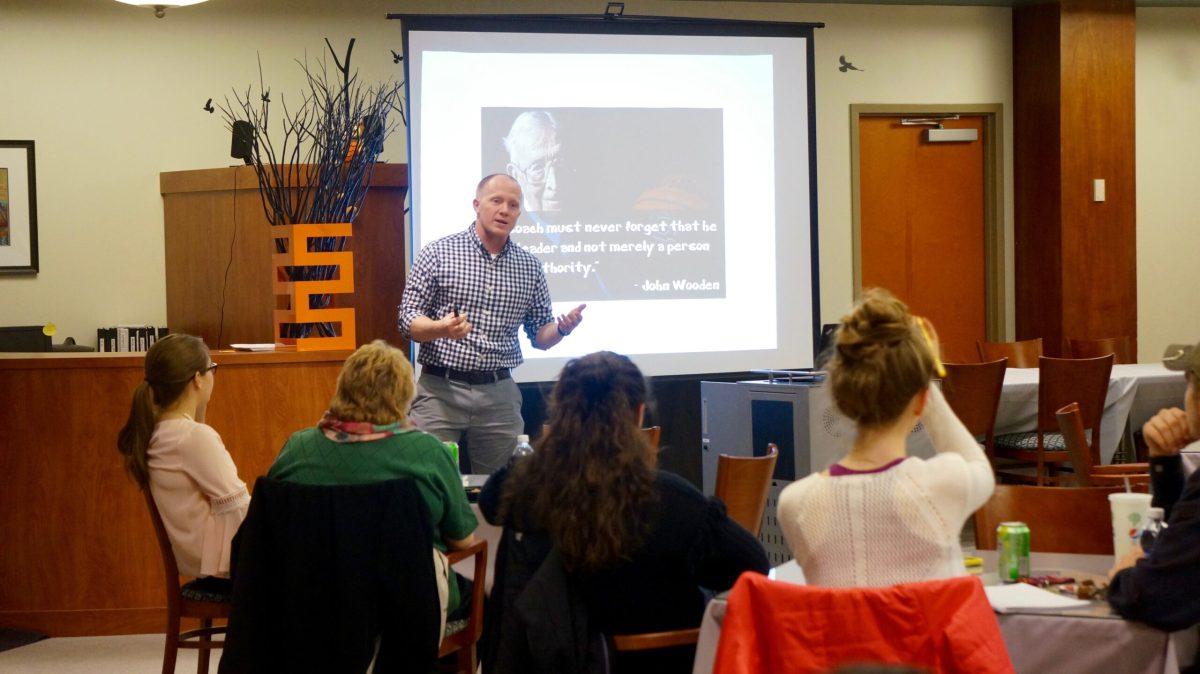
x=308, y=457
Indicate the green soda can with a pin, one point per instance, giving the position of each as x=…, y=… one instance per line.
x=1012, y=539
x=452, y=447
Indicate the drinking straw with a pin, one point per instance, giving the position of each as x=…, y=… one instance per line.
x=1128, y=489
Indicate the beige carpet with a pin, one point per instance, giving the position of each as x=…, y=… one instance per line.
x=132, y=654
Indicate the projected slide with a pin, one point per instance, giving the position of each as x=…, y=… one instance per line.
x=655, y=231
x=665, y=183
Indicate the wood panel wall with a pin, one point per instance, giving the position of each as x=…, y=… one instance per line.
x=79, y=554
x=1073, y=81
x=218, y=253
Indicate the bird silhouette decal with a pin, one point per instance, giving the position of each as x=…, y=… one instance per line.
x=208, y=107
x=396, y=58
x=846, y=65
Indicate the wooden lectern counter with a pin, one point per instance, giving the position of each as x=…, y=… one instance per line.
x=77, y=552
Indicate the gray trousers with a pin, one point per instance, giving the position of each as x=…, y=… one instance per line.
x=489, y=414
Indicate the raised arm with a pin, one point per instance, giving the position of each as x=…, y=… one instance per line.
x=949, y=436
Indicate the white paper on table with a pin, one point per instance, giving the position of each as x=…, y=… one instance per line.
x=1025, y=597
x=253, y=347
x=788, y=572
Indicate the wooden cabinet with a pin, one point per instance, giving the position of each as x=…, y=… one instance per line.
x=218, y=256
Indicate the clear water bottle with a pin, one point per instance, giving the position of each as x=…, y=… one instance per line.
x=1152, y=530
x=523, y=447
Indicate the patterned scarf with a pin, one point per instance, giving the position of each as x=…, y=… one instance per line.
x=358, y=431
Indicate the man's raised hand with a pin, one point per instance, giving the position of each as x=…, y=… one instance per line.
x=571, y=320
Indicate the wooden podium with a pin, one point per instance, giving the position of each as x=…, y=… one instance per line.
x=213, y=220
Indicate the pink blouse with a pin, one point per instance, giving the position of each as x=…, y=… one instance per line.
x=198, y=493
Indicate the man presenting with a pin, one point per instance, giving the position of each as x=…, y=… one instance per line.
x=466, y=296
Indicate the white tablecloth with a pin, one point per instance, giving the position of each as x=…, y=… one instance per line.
x=1083, y=641
x=1135, y=393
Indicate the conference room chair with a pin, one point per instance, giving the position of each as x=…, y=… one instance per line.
x=742, y=485
x=328, y=578
x=973, y=391
x=462, y=636
x=1085, y=459
x=1074, y=520
x=1120, y=347
x=652, y=641
x=1024, y=353
x=1061, y=381
x=185, y=601
x=944, y=625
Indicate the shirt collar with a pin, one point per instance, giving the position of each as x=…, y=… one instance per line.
x=478, y=243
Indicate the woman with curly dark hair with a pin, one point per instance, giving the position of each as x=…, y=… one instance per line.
x=643, y=544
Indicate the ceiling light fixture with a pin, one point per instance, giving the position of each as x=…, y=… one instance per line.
x=160, y=6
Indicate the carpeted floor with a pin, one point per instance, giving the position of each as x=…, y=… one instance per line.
x=14, y=638
x=131, y=654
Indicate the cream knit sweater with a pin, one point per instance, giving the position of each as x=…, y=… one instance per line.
x=897, y=526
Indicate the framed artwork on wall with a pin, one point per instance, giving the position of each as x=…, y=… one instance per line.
x=18, y=208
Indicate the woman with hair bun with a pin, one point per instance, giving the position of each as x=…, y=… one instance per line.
x=169, y=450
x=878, y=516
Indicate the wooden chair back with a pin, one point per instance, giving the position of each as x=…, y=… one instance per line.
x=973, y=391
x=1120, y=347
x=627, y=643
x=1024, y=353
x=178, y=607
x=1062, y=381
x=465, y=643
x=742, y=484
x=1083, y=457
x=1074, y=520
x=1086, y=461
x=170, y=567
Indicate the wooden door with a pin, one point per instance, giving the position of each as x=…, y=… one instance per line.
x=922, y=228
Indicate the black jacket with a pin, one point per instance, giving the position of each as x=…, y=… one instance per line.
x=1163, y=590
x=321, y=572
x=547, y=630
x=691, y=544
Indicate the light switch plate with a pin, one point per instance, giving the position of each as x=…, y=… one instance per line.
x=1098, y=189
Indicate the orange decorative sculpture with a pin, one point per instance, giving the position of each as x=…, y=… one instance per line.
x=293, y=303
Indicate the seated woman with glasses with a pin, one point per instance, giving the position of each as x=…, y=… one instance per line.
x=169, y=450
x=878, y=516
x=641, y=542
x=366, y=437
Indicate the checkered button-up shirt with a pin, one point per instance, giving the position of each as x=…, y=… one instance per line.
x=498, y=295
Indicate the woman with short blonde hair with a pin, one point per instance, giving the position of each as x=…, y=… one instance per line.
x=375, y=385
x=366, y=437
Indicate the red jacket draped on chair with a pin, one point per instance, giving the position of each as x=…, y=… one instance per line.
x=944, y=625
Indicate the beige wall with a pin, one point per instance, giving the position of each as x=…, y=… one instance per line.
x=1168, y=177
x=112, y=97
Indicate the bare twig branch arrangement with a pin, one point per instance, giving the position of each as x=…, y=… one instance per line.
x=318, y=168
